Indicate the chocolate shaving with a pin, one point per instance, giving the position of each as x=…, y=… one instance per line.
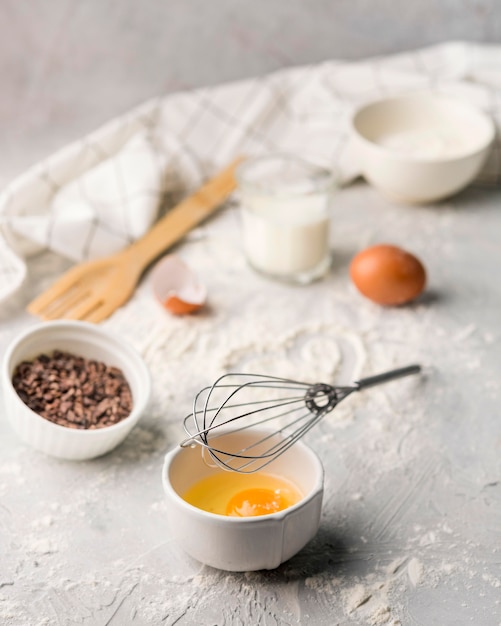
x=73, y=391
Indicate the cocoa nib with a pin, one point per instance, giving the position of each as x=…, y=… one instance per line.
x=73, y=391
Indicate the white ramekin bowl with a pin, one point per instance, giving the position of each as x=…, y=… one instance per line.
x=421, y=148
x=89, y=341
x=243, y=544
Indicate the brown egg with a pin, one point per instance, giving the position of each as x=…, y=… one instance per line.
x=387, y=274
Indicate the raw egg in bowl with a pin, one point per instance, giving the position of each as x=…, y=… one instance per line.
x=243, y=522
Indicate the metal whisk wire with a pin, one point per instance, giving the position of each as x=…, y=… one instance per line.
x=231, y=405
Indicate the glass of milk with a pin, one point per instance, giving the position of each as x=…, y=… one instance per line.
x=285, y=216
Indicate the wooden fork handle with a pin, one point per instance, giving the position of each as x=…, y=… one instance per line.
x=183, y=217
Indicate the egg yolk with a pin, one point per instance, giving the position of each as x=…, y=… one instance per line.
x=243, y=495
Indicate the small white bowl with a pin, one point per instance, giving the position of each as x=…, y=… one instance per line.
x=241, y=544
x=89, y=341
x=421, y=148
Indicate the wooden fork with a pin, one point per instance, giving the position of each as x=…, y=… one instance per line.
x=93, y=290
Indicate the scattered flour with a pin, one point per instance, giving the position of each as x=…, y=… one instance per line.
x=40, y=545
x=305, y=334
x=415, y=571
x=356, y=597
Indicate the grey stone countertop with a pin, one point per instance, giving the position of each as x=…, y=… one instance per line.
x=411, y=524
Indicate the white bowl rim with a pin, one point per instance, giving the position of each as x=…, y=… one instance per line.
x=471, y=109
x=137, y=409
x=217, y=518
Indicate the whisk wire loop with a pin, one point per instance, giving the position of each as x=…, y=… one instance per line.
x=232, y=405
x=203, y=433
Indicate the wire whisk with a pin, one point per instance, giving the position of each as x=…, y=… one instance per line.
x=241, y=402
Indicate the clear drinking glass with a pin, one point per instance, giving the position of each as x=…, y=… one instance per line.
x=286, y=216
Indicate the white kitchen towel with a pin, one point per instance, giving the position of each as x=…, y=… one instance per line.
x=102, y=192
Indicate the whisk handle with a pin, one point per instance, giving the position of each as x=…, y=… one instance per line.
x=378, y=379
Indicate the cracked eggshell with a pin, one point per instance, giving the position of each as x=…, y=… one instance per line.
x=176, y=286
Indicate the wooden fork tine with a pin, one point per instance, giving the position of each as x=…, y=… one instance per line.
x=84, y=308
x=57, y=290
x=67, y=301
x=100, y=313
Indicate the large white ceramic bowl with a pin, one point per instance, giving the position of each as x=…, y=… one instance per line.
x=89, y=341
x=243, y=543
x=421, y=148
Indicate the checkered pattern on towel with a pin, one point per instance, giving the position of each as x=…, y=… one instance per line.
x=102, y=192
